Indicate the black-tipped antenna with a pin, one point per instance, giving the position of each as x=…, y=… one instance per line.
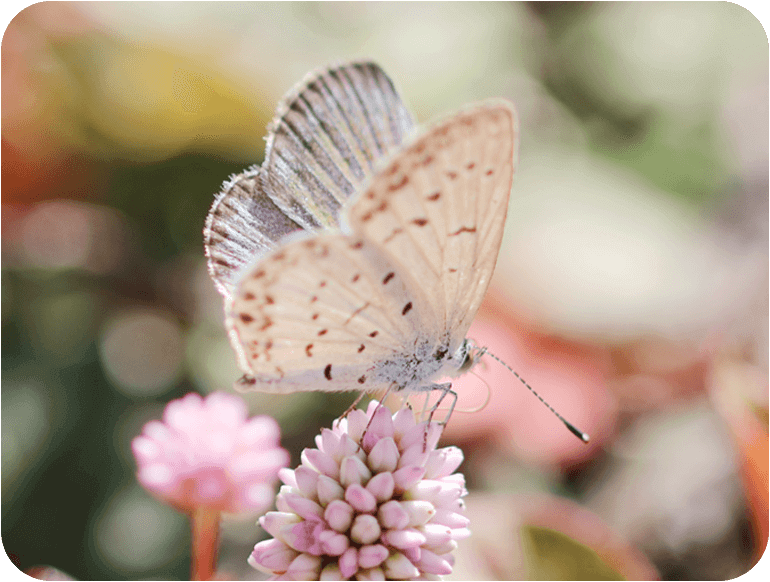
x=572, y=428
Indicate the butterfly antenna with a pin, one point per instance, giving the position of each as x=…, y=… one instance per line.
x=574, y=430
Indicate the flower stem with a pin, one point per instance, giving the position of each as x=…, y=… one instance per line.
x=205, y=542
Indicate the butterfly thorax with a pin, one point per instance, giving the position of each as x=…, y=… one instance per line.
x=424, y=364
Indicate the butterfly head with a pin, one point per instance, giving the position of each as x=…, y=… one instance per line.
x=468, y=354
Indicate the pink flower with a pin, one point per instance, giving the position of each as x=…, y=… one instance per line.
x=374, y=501
x=207, y=453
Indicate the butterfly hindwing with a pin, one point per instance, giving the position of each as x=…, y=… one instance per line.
x=243, y=224
x=328, y=134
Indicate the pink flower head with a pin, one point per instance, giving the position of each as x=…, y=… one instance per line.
x=207, y=453
x=370, y=503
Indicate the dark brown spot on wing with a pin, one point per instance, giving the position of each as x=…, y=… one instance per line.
x=307, y=350
x=374, y=333
x=407, y=308
x=249, y=296
x=388, y=277
x=471, y=166
x=420, y=221
x=328, y=371
x=355, y=278
x=362, y=379
x=314, y=316
x=323, y=331
x=452, y=175
x=462, y=230
x=489, y=172
x=400, y=184
x=433, y=197
x=357, y=245
x=268, y=300
x=361, y=348
x=246, y=318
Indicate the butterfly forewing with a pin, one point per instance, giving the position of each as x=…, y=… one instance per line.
x=438, y=209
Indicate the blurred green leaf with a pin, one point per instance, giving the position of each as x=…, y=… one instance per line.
x=551, y=555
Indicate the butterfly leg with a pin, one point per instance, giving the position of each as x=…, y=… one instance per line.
x=445, y=388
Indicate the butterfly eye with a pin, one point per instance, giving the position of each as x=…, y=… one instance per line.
x=468, y=359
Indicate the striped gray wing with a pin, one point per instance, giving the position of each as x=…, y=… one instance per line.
x=326, y=138
x=328, y=134
x=243, y=223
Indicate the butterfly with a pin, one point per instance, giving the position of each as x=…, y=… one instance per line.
x=357, y=255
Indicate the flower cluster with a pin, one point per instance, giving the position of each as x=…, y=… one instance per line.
x=376, y=500
x=208, y=453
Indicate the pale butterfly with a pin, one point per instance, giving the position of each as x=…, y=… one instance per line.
x=356, y=257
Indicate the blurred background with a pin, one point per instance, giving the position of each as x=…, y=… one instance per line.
x=631, y=290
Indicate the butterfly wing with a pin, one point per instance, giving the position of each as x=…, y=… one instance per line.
x=324, y=312
x=437, y=211
x=327, y=135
